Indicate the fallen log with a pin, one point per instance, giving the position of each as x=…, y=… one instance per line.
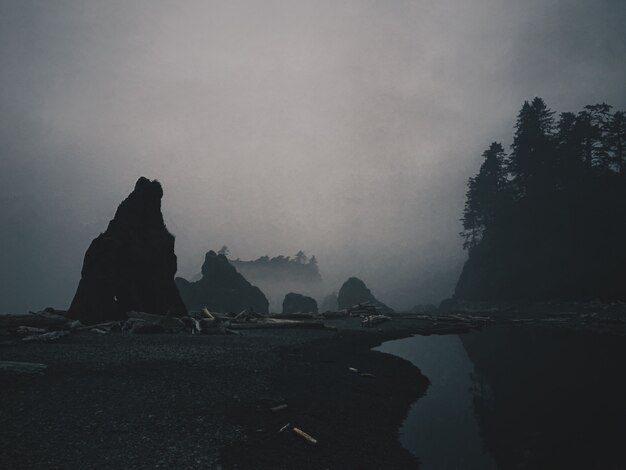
x=108, y=324
x=34, y=320
x=191, y=325
x=306, y=436
x=207, y=320
x=374, y=320
x=272, y=323
x=294, y=316
x=99, y=331
x=165, y=322
x=29, y=331
x=46, y=337
x=207, y=314
x=22, y=367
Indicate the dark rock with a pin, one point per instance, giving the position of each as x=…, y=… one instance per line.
x=221, y=289
x=131, y=266
x=354, y=291
x=299, y=303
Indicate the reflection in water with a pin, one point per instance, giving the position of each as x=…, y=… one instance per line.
x=524, y=397
x=441, y=429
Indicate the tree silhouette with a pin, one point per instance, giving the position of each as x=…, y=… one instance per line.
x=549, y=220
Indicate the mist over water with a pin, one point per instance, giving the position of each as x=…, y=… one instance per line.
x=346, y=129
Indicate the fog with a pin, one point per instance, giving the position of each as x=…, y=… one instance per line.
x=347, y=129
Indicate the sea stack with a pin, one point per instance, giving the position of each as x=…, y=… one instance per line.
x=221, y=289
x=354, y=291
x=131, y=266
x=295, y=303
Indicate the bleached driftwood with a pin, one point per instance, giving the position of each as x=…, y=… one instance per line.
x=275, y=323
x=306, y=436
x=167, y=323
x=29, y=331
x=22, y=367
x=46, y=337
x=375, y=320
x=109, y=324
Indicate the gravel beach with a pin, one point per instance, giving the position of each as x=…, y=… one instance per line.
x=181, y=401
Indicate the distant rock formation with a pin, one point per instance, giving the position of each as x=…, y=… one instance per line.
x=329, y=304
x=299, y=303
x=131, y=266
x=280, y=275
x=221, y=289
x=354, y=291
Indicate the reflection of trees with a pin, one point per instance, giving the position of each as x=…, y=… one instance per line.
x=483, y=405
x=547, y=398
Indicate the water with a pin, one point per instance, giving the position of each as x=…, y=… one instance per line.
x=517, y=397
x=441, y=428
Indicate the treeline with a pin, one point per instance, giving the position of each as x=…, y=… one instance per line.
x=547, y=220
x=300, y=267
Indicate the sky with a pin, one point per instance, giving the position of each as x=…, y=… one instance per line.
x=344, y=128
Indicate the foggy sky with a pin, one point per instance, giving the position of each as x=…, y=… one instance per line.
x=347, y=129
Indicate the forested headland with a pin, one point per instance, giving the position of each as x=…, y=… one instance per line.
x=547, y=220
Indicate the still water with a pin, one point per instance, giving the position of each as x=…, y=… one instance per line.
x=441, y=429
x=517, y=397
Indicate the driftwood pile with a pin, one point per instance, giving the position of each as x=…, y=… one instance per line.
x=371, y=320
x=51, y=325
x=363, y=310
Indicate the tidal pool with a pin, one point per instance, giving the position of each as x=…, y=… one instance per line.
x=523, y=397
x=441, y=427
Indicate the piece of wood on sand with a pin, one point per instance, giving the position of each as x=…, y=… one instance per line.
x=46, y=337
x=311, y=440
x=206, y=314
x=33, y=320
x=270, y=323
x=167, y=322
x=22, y=367
x=29, y=330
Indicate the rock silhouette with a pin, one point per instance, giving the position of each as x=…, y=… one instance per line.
x=354, y=291
x=294, y=303
x=221, y=289
x=131, y=266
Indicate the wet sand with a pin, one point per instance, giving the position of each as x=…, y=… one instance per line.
x=178, y=401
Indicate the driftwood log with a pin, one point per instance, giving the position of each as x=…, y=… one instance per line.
x=164, y=321
x=40, y=320
x=46, y=337
x=22, y=367
x=305, y=436
x=274, y=323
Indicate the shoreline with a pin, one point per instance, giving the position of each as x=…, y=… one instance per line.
x=150, y=401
